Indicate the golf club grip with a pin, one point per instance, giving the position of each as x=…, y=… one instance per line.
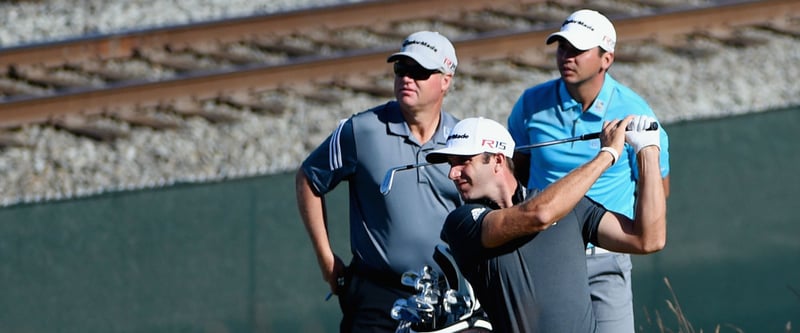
x=590, y=136
x=653, y=126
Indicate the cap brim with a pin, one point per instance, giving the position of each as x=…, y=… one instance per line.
x=422, y=61
x=578, y=40
x=441, y=155
x=436, y=158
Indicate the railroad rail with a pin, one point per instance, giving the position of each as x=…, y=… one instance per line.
x=66, y=83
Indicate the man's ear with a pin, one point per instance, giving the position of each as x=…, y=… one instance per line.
x=607, y=59
x=447, y=79
x=500, y=161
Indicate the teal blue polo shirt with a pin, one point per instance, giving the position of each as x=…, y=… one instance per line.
x=547, y=112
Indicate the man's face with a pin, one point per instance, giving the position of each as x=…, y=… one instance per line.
x=472, y=175
x=416, y=87
x=578, y=66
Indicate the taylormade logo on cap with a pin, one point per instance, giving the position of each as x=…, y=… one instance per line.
x=430, y=50
x=473, y=136
x=586, y=29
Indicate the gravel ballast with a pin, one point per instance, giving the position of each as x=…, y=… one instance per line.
x=58, y=165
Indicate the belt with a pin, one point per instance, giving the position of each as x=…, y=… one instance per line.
x=596, y=250
x=381, y=278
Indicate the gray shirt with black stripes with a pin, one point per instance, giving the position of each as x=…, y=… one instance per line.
x=396, y=232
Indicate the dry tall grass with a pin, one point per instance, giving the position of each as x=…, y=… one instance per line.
x=684, y=326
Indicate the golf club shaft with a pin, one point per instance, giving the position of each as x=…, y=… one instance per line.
x=386, y=185
x=587, y=136
x=412, y=166
x=584, y=137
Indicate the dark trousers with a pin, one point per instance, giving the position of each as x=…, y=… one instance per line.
x=367, y=300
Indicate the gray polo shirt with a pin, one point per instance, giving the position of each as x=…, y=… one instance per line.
x=533, y=284
x=397, y=232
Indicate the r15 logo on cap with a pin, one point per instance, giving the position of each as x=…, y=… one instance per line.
x=449, y=64
x=493, y=144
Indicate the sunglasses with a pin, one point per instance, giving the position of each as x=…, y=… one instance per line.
x=415, y=72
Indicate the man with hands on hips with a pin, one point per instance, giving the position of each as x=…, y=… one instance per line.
x=394, y=233
x=523, y=251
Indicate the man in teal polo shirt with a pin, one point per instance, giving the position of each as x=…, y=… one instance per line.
x=577, y=103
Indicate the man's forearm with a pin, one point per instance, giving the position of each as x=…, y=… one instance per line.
x=560, y=197
x=549, y=206
x=312, y=212
x=650, y=213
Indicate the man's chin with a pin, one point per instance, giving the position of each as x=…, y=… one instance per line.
x=568, y=76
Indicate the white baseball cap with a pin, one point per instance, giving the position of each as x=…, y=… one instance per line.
x=586, y=29
x=473, y=136
x=429, y=49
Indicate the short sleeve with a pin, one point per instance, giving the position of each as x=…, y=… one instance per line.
x=517, y=125
x=589, y=213
x=462, y=230
x=334, y=160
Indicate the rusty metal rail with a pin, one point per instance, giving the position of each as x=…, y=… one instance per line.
x=668, y=27
x=230, y=30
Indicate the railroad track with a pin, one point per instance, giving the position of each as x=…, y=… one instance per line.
x=137, y=78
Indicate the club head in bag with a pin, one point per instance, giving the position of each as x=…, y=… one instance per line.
x=445, y=302
x=403, y=312
x=409, y=279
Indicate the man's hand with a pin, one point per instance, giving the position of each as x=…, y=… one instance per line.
x=612, y=138
x=334, y=275
x=638, y=135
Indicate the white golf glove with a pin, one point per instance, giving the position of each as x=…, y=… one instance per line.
x=639, y=137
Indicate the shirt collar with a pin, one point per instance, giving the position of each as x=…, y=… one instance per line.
x=398, y=126
x=598, y=108
x=604, y=97
x=519, y=194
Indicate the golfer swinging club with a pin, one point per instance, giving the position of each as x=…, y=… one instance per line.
x=523, y=251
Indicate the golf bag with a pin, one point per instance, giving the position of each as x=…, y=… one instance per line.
x=444, y=304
